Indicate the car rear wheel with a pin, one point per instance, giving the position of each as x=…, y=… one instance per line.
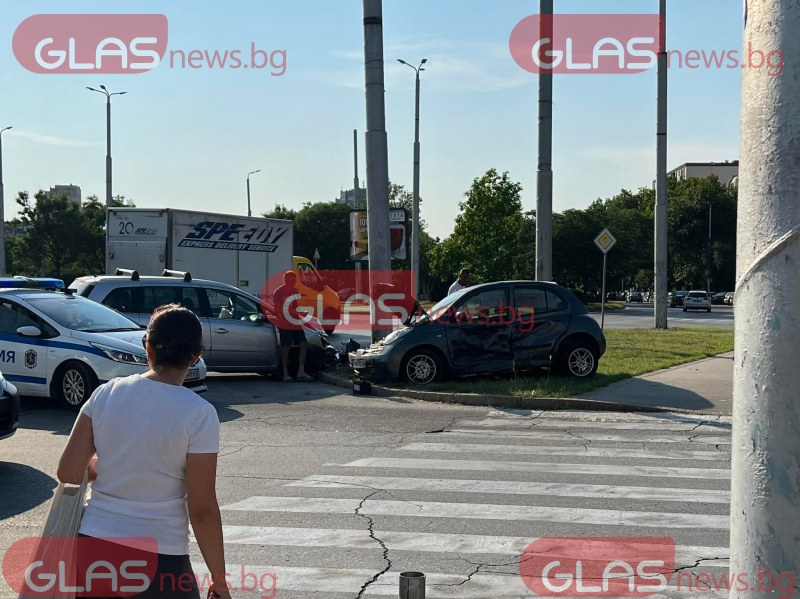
x=422, y=367
x=708, y=310
x=685, y=310
x=579, y=360
x=75, y=383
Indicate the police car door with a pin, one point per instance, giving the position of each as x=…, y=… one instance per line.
x=23, y=359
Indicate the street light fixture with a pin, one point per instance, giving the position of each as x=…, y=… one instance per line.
x=108, y=95
x=2, y=208
x=249, y=212
x=415, y=231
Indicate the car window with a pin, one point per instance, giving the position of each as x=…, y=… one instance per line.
x=529, y=300
x=80, y=314
x=13, y=317
x=556, y=303
x=121, y=299
x=230, y=306
x=190, y=299
x=158, y=295
x=484, y=304
x=698, y=294
x=309, y=277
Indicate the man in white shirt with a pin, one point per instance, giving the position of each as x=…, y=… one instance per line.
x=461, y=282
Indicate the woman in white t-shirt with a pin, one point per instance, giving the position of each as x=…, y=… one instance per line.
x=151, y=447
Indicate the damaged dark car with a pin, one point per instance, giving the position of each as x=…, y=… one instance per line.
x=486, y=329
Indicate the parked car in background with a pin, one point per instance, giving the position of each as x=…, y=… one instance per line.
x=489, y=328
x=729, y=298
x=676, y=299
x=718, y=299
x=9, y=408
x=237, y=333
x=697, y=300
x=635, y=297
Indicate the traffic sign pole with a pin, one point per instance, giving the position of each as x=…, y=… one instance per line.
x=605, y=241
x=603, y=297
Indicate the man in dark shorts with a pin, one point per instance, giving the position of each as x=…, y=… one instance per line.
x=290, y=332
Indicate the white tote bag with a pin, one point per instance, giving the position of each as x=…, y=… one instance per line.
x=63, y=521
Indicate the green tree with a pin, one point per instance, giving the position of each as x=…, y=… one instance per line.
x=324, y=226
x=281, y=211
x=486, y=228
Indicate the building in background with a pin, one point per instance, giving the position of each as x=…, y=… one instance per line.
x=71, y=192
x=727, y=172
x=356, y=199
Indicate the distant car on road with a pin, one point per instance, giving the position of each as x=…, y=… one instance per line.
x=676, y=299
x=494, y=327
x=697, y=300
x=9, y=408
x=718, y=299
x=635, y=297
x=729, y=298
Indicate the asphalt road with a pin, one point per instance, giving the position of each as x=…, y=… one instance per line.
x=640, y=316
x=325, y=491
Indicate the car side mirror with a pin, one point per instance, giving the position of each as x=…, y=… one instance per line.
x=259, y=318
x=29, y=331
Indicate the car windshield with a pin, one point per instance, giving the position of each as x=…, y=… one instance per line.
x=81, y=314
x=442, y=306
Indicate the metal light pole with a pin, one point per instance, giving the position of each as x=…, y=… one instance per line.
x=249, y=212
x=2, y=209
x=108, y=95
x=415, y=232
x=544, y=175
x=765, y=468
x=708, y=275
x=660, y=250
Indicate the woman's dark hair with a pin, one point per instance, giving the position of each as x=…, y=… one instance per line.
x=176, y=336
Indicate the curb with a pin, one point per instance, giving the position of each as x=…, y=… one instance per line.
x=509, y=401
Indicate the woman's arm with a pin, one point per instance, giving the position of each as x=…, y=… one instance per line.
x=78, y=452
x=201, y=477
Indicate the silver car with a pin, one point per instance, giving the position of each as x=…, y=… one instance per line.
x=237, y=334
x=697, y=300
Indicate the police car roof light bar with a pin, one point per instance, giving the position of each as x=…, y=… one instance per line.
x=20, y=282
x=134, y=274
x=187, y=277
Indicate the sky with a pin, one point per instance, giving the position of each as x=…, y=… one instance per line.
x=186, y=138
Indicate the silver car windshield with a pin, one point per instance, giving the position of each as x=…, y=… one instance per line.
x=81, y=314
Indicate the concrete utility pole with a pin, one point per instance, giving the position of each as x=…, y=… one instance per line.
x=415, y=231
x=765, y=468
x=660, y=250
x=544, y=174
x=108, y=95
x=2, y=209
x=380, y=257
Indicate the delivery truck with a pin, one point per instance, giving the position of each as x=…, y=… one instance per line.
x=250, y=253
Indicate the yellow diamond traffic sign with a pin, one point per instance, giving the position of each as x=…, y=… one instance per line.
x=605, y=241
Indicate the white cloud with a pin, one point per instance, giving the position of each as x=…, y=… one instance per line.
x=50, y=140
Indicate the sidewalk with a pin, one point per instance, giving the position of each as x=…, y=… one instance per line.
x=706, y=385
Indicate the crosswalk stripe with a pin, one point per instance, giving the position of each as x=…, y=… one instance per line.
x=605, y=452
x=510, y=487
x=600, y=417
x=536, y=423
x=426, y=542
x=557, y=435
x=547, y=467
x=426, y=509
x=330, y=580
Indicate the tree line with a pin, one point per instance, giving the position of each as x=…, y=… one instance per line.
x=493, y=236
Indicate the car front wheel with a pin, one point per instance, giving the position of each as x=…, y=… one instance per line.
x=579, y=360
x=422, y=367
x=75, y=383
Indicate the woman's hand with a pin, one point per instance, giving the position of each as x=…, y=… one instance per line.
x=218, y=590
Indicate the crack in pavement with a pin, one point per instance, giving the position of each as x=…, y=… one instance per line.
x=443, y=429
x=384, y=548
x=585, y=441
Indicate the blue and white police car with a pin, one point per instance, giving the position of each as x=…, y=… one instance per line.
x=57, y=344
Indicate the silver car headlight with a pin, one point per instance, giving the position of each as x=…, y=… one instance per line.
x=395, y=335
x=122, y=356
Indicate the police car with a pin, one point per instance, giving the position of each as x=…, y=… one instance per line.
x=57, y=344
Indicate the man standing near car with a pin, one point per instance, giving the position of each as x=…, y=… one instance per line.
x=461, y=282
x=288, y=322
